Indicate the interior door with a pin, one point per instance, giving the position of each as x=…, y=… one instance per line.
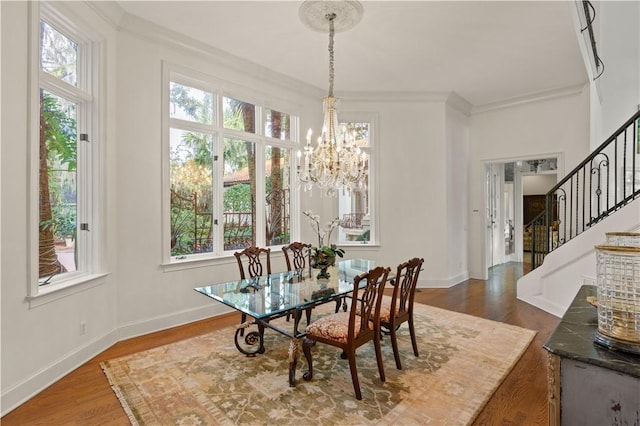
x=495, y=203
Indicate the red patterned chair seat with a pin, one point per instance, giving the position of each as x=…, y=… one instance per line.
x=334, y=327
x=385, y=309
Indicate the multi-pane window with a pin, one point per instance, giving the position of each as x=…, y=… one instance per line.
x=64, y=153
x=354, y=207
x=229, y=172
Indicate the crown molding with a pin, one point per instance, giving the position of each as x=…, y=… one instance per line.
x=394, y=96
x=452, y=99
x=459, y=103
x=109, y=11
x=531, y=98
x=154, y=33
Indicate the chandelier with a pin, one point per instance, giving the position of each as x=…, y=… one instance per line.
x=336, y=163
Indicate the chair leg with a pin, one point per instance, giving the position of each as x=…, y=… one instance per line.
x=376, y=343
x=354, y=373
x=306, y=349
x=412, y=331
x=394, y=345
x=308, y=316
x=341, y=302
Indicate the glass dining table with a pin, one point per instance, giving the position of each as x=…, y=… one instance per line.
x=269, y=297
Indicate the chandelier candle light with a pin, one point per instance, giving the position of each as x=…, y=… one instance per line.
x=337, y=162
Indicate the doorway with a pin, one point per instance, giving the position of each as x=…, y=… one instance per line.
x=514, y=190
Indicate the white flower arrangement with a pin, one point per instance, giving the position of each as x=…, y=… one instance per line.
x=321, y=232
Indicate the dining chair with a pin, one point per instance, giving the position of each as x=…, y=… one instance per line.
x=350, y=330
x=398, y=308
x=254, y=258
x=296, y=255
x=258, y=262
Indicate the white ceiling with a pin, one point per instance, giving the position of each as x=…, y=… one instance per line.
x=485, y=51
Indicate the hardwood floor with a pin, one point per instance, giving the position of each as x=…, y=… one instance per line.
x=84, y=397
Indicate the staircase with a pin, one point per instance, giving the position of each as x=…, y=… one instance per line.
x=602, y=194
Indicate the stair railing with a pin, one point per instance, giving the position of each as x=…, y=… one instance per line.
x=605, y=181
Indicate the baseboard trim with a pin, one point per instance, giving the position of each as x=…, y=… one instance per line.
x=175, y=319
x=541, y=302
x=444, y=283
x=22, y=392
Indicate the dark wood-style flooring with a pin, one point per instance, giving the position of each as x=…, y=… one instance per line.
x=84, y=397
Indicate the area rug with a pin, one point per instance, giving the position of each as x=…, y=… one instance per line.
x=204, y=380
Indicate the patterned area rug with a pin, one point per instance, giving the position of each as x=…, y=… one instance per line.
x=204, y=380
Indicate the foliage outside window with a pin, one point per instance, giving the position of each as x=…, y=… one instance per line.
x=64, y=108
x=229, y=175
x=354, y=208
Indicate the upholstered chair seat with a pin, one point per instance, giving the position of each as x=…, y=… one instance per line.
x=385, y=309
x=334, y=327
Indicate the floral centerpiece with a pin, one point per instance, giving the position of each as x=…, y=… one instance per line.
x=323, y=255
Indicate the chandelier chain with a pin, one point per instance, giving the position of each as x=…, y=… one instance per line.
x=331, y=17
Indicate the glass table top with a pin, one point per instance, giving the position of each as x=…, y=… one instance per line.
x=274, y=294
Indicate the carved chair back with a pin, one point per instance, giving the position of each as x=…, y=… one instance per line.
x=257, y=261
x=296, y=254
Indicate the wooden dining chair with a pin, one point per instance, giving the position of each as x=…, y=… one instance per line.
x=398, y=308
x=257, y=260
x=296, y=255
x=258, y=263
x=350, y=330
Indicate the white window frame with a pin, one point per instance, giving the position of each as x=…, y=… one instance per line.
x=371, y=118
x=89, y=186
x=220, y=90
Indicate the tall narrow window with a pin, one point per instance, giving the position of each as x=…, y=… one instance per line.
x=278, y=179
x=354, y=208
x=239, y=194
x=229, y=171
x=278, y=192
x=57, y=185
x=64, y=150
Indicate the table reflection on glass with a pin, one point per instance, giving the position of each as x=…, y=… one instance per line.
x=276, y=295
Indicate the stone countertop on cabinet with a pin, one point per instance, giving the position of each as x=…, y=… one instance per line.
x=574, y=336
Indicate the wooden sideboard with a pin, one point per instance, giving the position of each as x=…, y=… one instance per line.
x=589, y=384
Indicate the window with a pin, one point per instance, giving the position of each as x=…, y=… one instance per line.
x=64, y=152
x=229, y=171
x=355, y=208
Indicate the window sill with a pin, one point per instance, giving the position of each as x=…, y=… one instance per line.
x=197, y=261
x=203, y=262
x=358, y=244
x=52, y=292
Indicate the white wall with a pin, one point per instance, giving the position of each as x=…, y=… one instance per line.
x=41, y=344
x=457, y=190
x=538, y=184
x=619, y=48
x=555, y=126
